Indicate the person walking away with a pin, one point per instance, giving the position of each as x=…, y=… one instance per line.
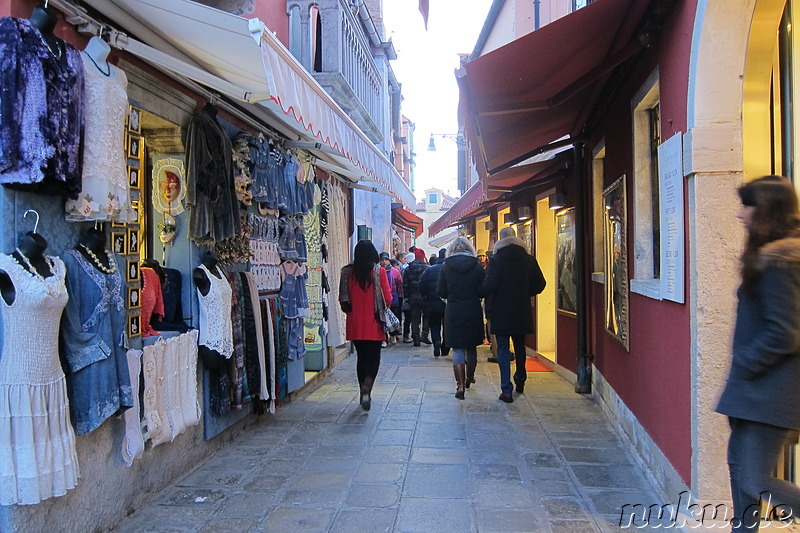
x=396, y=283
x=434, y=305
x=364, y=294
x=761, y=397
x=459, y=281
x=406, y=308
x=513, y=277
x=411, y=291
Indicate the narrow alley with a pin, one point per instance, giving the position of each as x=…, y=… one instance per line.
x=418, y=461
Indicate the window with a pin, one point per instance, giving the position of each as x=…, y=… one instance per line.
x=577, y=4
x=433, y=198
x=598, y=185
x=646, y=215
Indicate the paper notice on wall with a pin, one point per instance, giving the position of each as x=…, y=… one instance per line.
x=670, y=170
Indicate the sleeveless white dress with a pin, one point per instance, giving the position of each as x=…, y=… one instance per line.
x=105, y=194
x=37, y=442
x=216, y=326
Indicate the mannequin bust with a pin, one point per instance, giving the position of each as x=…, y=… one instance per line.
x=32, y=246
x=92, y=247
x=211, y=110
x=202, y=282
x=44, y=21
x=97, y=51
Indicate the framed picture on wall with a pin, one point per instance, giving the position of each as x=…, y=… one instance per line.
x=134, y=177
x=137, y=213
x=133, y=241
x=118, y=242
x=566, y=292
x=132, y=270
x=134, y=146
x=134, y=323
x=134, y=297
x=615, y=257
x=134, y=124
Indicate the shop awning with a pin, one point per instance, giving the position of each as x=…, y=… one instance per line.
x=543, y=86
x=512, y=179
x=258, y=68
x=406, y=219
x=468, y=202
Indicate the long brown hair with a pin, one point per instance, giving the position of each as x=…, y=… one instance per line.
x=775, y=217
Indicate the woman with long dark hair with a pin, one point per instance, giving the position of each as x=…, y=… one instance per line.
x=762, y=396
x=364, y=294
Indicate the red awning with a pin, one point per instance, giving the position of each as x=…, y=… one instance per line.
x=467, y=203
x=511, y=179
x=407, y=220
x=542, y=86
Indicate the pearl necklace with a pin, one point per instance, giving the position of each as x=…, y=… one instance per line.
x=27, y=266
x=112, y=266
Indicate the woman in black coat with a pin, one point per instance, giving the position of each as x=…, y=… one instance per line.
x=459, y=280
x=762, y=397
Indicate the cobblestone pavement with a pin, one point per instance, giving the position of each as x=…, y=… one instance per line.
x=419, y=461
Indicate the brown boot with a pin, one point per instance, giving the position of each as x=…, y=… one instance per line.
x=460, y=372
x=366, y=393
x=470, y=374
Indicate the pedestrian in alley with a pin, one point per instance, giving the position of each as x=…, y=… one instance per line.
x=459, y=281
x=415, y=301
x=396, y=283
x=406, y=307
x=434, y=305
x=761, y=397
x=513, y=277
x=364, y=294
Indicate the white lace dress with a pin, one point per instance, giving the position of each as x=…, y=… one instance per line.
x=216, y=326
x=105, y=194
x=37, y=442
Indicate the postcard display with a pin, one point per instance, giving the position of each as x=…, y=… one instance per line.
x=123, y=228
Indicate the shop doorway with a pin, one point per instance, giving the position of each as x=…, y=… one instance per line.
x=545, y=252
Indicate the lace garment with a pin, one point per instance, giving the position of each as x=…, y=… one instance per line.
x=216, y=327
x=37, y=442
x=104, y=194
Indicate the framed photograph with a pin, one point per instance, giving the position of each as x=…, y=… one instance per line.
x=137, y=212
x=134, y=177
x=134, y=124
x=118, y=242
x=565, y=262
x=615, y=258
x=132, y=270
x=134, y=323
x=134, y=146
x=133, y=241
x=134, y=297
x=115, y=224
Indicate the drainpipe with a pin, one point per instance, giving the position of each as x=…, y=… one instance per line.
x=536, y=20
x=583, y=385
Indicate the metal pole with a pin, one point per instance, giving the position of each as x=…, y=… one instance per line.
x=583, y=385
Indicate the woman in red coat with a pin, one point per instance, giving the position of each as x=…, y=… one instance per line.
x=363, y=306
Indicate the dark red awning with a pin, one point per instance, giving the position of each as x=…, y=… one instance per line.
x=511, y=179
x=543, y=86
x=468, y=202
x=407, y=220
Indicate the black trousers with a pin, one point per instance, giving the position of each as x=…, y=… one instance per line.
x=369, y=359
x=435, y=321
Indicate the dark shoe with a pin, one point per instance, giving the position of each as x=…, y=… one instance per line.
x=416, y=343
x=406, y=340
x=520, y=387
x=506, y=398
x=366, y=401
x=437, y=351
x=445, y=350
x=426, y=340
x=470, y=374
x=491, y=359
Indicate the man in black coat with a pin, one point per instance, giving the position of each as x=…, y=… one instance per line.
x=411, y=277
x=434, y=305
x=512, y=278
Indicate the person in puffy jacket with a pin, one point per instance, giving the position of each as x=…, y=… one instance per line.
x=459, y=281
x=434, y=305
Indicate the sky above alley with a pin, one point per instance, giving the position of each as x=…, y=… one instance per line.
x=425, y=64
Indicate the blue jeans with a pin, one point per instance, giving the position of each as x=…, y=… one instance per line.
x=465, y=355
x=504, y=361
x=753, y=451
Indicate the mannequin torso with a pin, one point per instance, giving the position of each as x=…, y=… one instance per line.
x=97, y=51
x=92, y=247
x=200, y=279
x=44, y=21
x=29, y=254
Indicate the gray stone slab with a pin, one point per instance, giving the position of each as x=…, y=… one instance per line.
x=509, y=521
x=340, y=452
x=297, y=519
x=321, y=480
x=228, y=525
x=565, y=509
x=380, y=473
x=397, y=424
x=573, y=526
x=618, y=503
x=212, y=478
x=326, y=464
x=496, y=471
x=503, y=494
x=455, y=456
x=386, y=454
x=327, y=497
x=436, y=481
x=595, y=455
x=364, y=520
x=542, y=460
x=373, y=495
x=426, y=515
x=246, y=505
x=193, y=497
x=611, y=476
x=392, y=437
x=277, y=467
x=266, y=483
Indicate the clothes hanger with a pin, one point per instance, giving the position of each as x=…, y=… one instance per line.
x=36, y=224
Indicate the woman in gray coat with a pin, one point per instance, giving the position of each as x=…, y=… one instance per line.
x=459, y=280
x=762, y=395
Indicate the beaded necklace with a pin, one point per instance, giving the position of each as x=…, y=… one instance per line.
x=27, y=266
x=112, y=266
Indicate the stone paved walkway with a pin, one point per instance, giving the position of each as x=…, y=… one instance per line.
x=419, y=461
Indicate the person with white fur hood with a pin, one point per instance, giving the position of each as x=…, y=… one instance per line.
x=512, y=278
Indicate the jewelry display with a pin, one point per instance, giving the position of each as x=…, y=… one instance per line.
x=112, y=266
